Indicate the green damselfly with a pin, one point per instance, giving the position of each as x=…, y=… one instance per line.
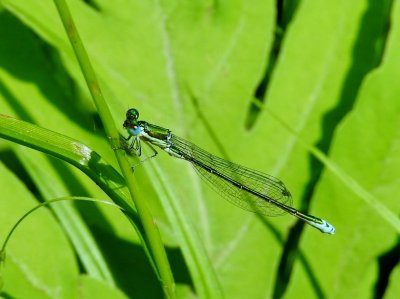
x=249, y=189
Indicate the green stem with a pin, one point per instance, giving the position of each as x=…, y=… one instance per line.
x=47, y=203
x=153, y=237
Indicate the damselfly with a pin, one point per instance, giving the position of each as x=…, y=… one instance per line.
x=247, y=188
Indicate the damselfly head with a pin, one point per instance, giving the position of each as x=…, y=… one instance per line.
x=131, y=122
x=132, y=114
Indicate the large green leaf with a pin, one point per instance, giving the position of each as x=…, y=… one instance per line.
x=39, y=260
x=194, y=66
x=365, y=147
x=394, y=288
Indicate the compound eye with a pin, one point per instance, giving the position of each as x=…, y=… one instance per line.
x=132, y=114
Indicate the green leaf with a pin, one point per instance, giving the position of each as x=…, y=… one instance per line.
x=90, y=287
x=39, y=261
x=193, y=67
x=394, y=287
x=365, y=147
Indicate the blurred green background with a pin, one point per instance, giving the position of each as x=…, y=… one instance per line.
x=245, y=80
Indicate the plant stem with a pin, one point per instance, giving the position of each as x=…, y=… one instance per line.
x=153, y=238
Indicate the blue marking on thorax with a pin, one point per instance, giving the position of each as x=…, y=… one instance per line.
x=135, y=131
